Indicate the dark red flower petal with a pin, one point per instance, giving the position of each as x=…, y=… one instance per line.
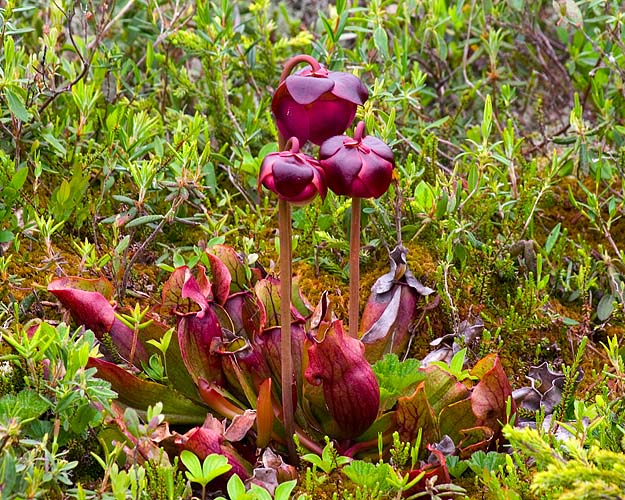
x=379, y=147
x=292, y=118
x=331, y=146
x=342, y=170
x=361, y=166
x=348, y=87
x=307, y=89
x=291, y=177
x=377, y=175
x=328, y=117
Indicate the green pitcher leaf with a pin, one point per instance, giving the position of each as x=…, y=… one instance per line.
x=414, y=412
x=140, y=394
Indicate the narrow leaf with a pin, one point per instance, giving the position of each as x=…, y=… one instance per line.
x=16, y=105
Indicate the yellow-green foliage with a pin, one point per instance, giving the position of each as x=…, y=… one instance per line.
x=570, y=471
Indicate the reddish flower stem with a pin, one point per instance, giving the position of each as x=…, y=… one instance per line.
x=286, y=354
x=284, y=228
x=359, y=132
x=294, y=61
x=354, y=268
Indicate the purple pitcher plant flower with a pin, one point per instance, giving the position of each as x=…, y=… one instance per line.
x=315, y=104
x=292, y=175
x=312, y=104
x=359, y=166
x=248, y=348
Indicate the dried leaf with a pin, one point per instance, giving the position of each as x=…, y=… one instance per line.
x=390, y=309
x=240, y=426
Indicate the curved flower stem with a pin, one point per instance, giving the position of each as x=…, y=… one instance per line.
x=354, y=268
x=286, y=355
x=294, y=61
x=359, y=132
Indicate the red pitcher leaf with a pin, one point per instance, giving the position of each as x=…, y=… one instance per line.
x=215, y=397
x=319, y=420
x=491, y=394
x=350, y=389
x=206, y=288
x=264, y=414
x=414, y=412
x=195, y=336
x=95, y=312
x=100, y=285
x=390, y=309
x=244, y=366
x=206, y=440
x=223, y=318
x=221, y=278
x=390, y=332
x=87, y=306
x=268, y=343
x=139, y=394
x=234, y=264
x=191, y=289
x=484, y=365
x=299, y=301
x=268, y=292
x=455, y=418
x=172, y=298
x=247, y=314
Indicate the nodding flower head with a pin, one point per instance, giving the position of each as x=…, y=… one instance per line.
x=361, y=166
x=315, y=104
x=293, y=176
